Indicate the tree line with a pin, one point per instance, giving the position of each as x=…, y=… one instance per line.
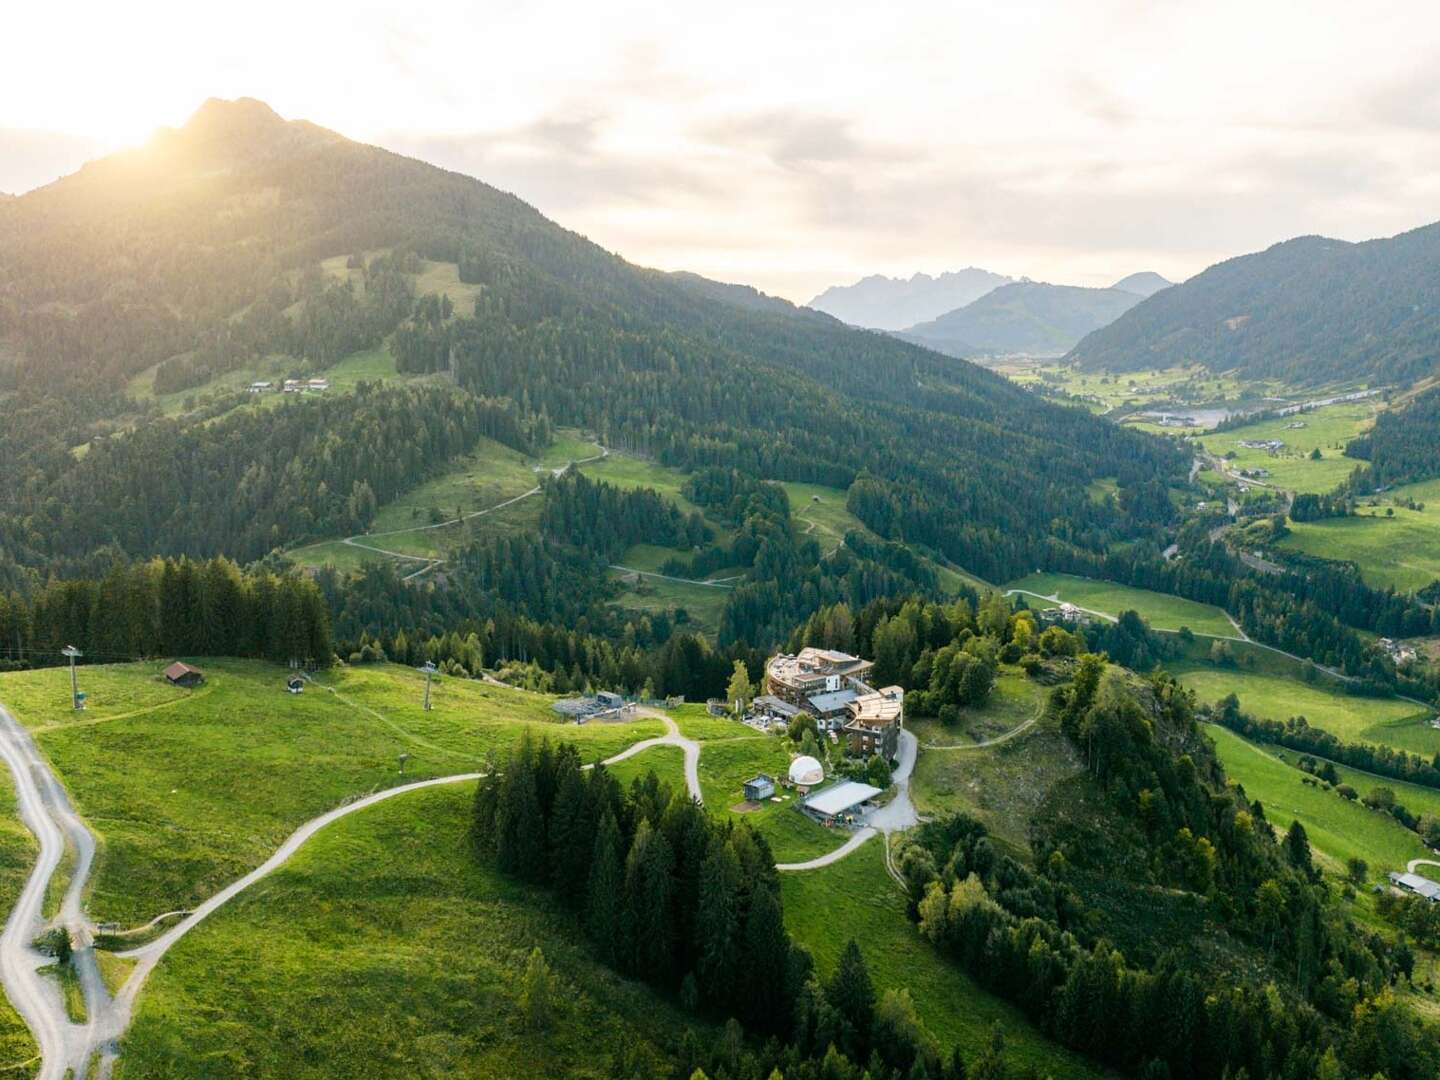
x=168, y=607
x=668, y=894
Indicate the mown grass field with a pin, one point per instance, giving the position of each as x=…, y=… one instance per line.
x=726, y=763
x=1014, y=700
x=1338, y=829
x=1327, y=429
x=187, y=790
x=856, y=898
x=384, y=949
x=1161, y=610
x=1272, y=696
x=1400, y=551
x=1107, y=391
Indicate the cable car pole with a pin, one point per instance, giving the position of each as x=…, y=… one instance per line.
x=428, y=669
x=72, y=652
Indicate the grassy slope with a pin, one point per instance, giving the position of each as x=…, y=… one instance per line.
x=1328, y=429
x=1002, y=786
x=1272, y=696
x=1401, y=552
x=856, y=898
x=190, y=794
x=383, y=949
x=1161, y=610
x=1014, y=700
x=1338, y=829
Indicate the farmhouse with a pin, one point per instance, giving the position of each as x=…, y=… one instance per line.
x=261, y=387
x=1414, y=883
x=178, y=674
x=759, y=789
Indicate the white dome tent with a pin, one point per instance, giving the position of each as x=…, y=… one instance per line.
x=805, y=771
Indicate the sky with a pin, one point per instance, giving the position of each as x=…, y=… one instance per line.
x=793, y=146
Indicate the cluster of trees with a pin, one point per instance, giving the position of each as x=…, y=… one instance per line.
x=605, y=519
x=168, y=607
x=257, y=479
x=1313, y=612
x=1297, y=734
x=1310, y=507
x=734, y=496
x=1402, y=446
x=668, y=894
x=1030, y=936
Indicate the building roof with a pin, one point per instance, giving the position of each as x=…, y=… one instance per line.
x=760, y=779
x=841, y=797
x=178, y=670
x=806, y=770
x=881, y=707
x=1417, y=884
x=812, y=663
x=833, y=701
x=773, y=704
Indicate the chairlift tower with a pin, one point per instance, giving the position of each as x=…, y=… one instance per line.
x=428, y=669
x=73, y=653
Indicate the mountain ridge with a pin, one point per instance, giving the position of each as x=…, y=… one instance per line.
x=1023, y=318
x=1308, y=310
x=890, y=303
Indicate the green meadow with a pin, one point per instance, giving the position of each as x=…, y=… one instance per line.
x=1338, y=829
x=857, y=898
x=1395, y=547
x=1271, y=696
x=1014, y=700
x=1161, y=610
x=1326, y=429
x=187, y=790
x=384, y=949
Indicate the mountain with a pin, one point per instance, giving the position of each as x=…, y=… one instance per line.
x=242, y=236
x=1310, y=310
x=1143, y=283
x=885, y=303
x=1025, y=317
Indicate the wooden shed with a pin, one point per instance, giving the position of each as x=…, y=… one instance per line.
x=178, y=674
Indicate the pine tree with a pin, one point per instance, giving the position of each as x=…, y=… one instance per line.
x=852, y=994
x=606, y=891
x=717, y=924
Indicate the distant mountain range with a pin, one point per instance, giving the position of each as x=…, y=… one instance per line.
x=1144, y=283
x=1309, y=310
x=885, y=303
x=1028, y=318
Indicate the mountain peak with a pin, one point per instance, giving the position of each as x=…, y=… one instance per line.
x=222, y=118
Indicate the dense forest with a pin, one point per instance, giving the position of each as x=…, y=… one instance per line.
x=1309, y=310
x=200, y=251
x=1402, y=447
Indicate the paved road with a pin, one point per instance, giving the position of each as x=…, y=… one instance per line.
x=45, y=809
x=897, y=815
x=1420, y=862
x=832, y=856
x=673, y=738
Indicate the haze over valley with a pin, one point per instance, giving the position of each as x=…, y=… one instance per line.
x=523, y=552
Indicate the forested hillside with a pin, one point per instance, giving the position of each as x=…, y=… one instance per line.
x=201, y=251
x=1310, y=310
x=1402, y=447
x=1027, y=317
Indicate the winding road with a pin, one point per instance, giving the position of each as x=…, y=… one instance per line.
x=68, y=1049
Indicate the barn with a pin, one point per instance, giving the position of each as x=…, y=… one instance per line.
x=178, y=674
